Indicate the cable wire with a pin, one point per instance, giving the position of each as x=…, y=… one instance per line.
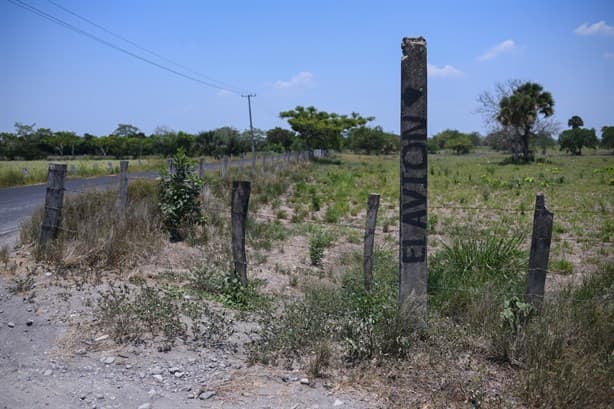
x=229, y=87
x=82, y=32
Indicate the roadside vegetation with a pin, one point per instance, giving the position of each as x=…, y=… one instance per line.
x=306, y=301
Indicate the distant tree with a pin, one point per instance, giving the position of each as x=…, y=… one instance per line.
x=575, y=122
x=442, y=137
x=280, y=139
x=543, y=140
x=573, y=140
x=607, y=137
x=515, y=113
x=127, y=131
x=372, y=140
x=520, y=111
x=246, y=140
x=320, y=129
x=459, y=144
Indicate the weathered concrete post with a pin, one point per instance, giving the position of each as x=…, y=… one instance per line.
x=54, y=199
x=123, y=185
x=372, y=207
x=201, y=167
x=238, y=217
x=413, y=207
x=540, y=252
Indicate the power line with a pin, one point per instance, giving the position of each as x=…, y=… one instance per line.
x=82, y=32
x=147, y=50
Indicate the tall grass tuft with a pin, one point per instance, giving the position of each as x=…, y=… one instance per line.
x=476, y=270
x=94, y=233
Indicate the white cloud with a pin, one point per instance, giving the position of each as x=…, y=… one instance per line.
x=303, y=79
x=447, y=71
x=608, y=55
x=224, y=93
x=503, y=47
x=597, y=28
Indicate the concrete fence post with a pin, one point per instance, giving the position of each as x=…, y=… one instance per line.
x=372, y=207
x=54, y=200
x=413, y=172
x=540, y=252
x=240, y=202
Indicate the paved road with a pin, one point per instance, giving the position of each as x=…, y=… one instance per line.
x=18, y=203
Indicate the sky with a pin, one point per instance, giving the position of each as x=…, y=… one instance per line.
x=339, y=56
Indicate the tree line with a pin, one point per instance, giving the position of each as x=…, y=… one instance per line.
x=310, y=129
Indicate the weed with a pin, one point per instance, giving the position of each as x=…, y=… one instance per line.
x=22, y=285
x=318, y=242
x=562, y=266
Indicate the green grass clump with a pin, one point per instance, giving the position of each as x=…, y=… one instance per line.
x=471, y=266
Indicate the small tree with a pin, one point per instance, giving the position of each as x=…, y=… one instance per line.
x=179, y=193
x=576, y=138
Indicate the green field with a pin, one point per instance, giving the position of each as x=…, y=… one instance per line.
x=12, y=174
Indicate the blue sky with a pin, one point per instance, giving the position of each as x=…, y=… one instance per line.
x=339, y=56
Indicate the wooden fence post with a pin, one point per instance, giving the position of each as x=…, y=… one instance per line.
x=54, y=199
x=224, y=167
x=123, y=185
x=372, y=207
x=254, y=162
x=540, y=252
x=201, y=167
x=263, y=164
x=171, y=166
x=240, y=201
x=413, y=245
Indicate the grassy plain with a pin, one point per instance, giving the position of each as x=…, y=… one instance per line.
x=12, y=174
x=483, y=347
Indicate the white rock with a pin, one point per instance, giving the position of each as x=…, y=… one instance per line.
x=304, y=381
x=338, y=402
x=206, y=395
x=145, y=406
x=157, y=377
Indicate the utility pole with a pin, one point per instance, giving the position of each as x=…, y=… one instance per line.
x=251, y=127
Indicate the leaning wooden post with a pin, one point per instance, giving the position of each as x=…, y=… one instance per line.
x=54, y=199
x=413, y=211
x=201, y=167
x=372, y=206
x=123, y=185
x=540, y=252
x=240, y=201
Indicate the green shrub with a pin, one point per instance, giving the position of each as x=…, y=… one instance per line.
x=318, y=242
x=179, y=197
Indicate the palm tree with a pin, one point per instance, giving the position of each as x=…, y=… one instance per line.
x=520, y=112
x=575, y=122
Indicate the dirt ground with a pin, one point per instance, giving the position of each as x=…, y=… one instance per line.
x=51, y=356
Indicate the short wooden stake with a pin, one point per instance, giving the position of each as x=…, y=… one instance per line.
x=540, y=252
x=240, y=201
x=225, y=167
x=372, y=207
x=54, y=199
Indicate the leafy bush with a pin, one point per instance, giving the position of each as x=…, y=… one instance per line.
x=179, y=197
